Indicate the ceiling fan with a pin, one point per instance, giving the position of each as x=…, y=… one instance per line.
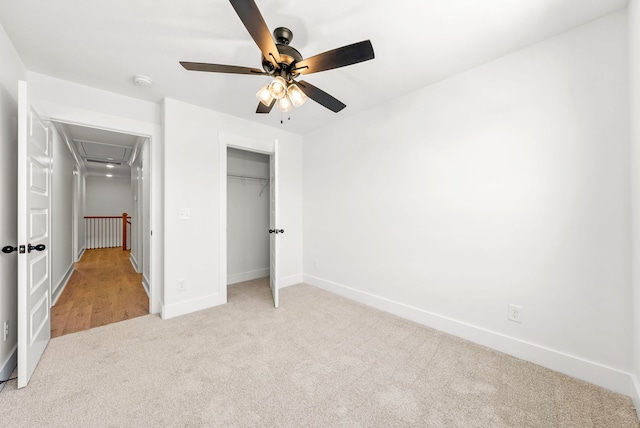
x=285, y=64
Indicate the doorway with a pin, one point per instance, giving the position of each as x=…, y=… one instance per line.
x=108, y=279
x=248, y=218
x=270, y=149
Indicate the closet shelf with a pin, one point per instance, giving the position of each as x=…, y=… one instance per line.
x=248, y=178
x=242, y=177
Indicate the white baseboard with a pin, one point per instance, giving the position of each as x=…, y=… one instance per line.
x=134, y=262
x=7, y=368
x=61, y=285
x=635, y=393
x=290, y=280
x=589, y=371
x=81, y=253
x=146, y=285
x=192, y=305
x=155, y=306
x=247, y=276
x=285, y=281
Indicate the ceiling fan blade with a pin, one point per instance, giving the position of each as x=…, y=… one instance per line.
x=321, y=97
x=264, y=109
x=254, y=22
x=218, y=68
x=340, y=57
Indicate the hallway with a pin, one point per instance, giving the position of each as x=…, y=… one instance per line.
x=103, y=289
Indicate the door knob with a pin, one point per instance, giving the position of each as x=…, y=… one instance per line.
x=276, y=231
x=9, y=249
x=39, y=247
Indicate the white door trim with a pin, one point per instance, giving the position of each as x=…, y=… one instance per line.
x=153, y=133
x=226, y=140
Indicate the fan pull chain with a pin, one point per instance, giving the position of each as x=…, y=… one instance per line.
x=282, y=117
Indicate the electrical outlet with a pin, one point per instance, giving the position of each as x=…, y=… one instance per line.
x=6, y=330
x=515, y=313
x=181, y=285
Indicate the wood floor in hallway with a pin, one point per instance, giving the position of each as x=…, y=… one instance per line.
x=103, y=289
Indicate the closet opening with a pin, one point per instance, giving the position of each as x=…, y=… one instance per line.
x=248, y=218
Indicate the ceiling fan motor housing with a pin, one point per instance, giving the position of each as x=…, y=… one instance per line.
x=288, y=55
x=283, y=35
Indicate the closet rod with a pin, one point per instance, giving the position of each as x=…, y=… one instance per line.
x=249, y=178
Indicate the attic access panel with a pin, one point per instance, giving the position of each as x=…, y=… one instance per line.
x=89, y=150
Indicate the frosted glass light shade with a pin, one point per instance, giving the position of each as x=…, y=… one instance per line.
x=265, y=96
x=296, y=95
x=278, y=88
x=284, y=104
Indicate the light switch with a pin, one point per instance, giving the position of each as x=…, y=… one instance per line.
x=184, y=214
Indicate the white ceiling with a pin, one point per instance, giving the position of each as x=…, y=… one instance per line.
x=416, y=43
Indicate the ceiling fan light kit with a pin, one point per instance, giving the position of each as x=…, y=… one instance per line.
x=288, y=95
x=285, y=64
x=284, y=105
x=278, y=88
x=296, y=95
x=264, y=95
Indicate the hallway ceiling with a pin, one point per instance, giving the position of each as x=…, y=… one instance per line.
x=104, y=44
x=98, y=148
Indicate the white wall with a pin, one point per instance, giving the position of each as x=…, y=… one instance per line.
x=108, y=196
x=11, y=71
x=508, y=183
x=634, y=72
x=77, y=190
x=62, y=257
x=195, y=175
x=247, y=216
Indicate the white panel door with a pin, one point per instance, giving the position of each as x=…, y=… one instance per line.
x=273, y=224
x=34, y=238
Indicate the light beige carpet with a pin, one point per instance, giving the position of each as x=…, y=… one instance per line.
x=319, y=360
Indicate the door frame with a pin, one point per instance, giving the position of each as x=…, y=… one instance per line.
x=226, y=140
x=152, y=132
x=75, y=208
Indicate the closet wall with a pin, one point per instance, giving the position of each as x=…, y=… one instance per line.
x=247, y=215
